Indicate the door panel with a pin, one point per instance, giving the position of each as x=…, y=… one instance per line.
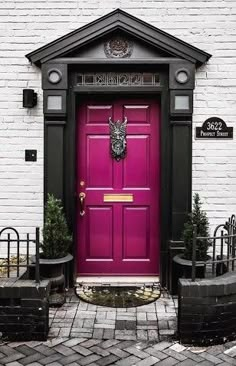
x=98, y=175
x=99, y=238
x=119, y=237
x=136, y=233
x=136, y=167
x=137, y=113
x=98, y=113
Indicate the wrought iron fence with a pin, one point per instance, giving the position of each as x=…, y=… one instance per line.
x=15, y=256
x=223, y=250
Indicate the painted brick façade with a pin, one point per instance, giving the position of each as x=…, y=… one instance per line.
x=27, y=25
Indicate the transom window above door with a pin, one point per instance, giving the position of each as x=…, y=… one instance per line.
x=119, y=79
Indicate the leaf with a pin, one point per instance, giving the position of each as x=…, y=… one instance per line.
x=56, y=236
x=197, y=217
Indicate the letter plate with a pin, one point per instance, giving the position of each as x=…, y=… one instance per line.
x=118, y=198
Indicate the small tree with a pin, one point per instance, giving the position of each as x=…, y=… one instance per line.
x=56, y=237
x=199, y=218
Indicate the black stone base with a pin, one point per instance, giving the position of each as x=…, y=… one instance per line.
x=55, y=271
x=182, y=268
x=24, y=310
x=207, y=310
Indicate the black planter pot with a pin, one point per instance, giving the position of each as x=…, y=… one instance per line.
x=182, y=268
x=54, y=270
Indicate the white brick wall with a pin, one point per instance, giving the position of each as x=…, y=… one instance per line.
x=27, y=25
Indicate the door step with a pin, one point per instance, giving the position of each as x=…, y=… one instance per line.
x=115, y=281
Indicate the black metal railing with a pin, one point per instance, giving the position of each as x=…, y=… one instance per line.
x=223, y=250
x=15, y=253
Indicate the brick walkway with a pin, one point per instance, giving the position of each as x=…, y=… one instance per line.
x=96, y=352
x=83, y=334
x=152, y=322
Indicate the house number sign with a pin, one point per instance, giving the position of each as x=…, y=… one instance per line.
x=214, y=128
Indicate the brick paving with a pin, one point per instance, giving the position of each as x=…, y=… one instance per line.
x=152, y=322
x=83, y=334
x=63, y=351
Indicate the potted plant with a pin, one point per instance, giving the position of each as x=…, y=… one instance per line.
x=183, y=262
x=54, y=249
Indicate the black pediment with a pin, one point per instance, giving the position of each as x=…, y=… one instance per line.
x=98, y=47
x=147, y=40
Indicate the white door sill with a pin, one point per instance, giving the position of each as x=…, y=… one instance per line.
x=117, y=280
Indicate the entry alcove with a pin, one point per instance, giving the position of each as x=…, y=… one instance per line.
x=119, y=43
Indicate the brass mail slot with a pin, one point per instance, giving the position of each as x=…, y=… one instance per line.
x=118, y=198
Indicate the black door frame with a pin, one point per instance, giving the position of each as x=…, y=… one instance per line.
x=176, y=158
x=168, y=156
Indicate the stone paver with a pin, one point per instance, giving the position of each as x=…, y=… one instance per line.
x=151, y=322
x=94, y=352
x=141, y=336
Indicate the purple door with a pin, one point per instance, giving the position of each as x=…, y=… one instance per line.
x=118, y=210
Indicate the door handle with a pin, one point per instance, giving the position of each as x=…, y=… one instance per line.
x=82, y=196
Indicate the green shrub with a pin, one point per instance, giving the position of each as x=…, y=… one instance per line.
x=199, y=218
x=56, y=236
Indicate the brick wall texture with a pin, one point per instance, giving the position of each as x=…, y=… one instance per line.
x=207, y=310
x=25, y=25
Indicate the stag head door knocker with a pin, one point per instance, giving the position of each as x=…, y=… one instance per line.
x=118, y=138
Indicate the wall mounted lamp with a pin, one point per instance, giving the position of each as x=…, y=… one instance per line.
x=29, y=98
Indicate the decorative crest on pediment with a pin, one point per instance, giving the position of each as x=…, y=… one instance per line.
x=118, y=47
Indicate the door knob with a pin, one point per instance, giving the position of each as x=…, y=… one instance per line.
x=82, y=196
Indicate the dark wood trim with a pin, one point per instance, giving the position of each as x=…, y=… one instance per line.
x=181, y=122
x=121, y=20
x=118, y=89
x=54, y=160
x=123, y=61
x=70, y=166
x=70, y=197
x=55, y=122
x=181, y=192
x=165, y=224
x=176, y=160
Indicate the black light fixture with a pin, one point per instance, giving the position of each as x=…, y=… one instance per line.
x=29, y=98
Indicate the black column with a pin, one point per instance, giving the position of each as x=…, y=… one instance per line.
x=55, y=85
x=181, y=85
x=54, y=158
x=181, y=175
x=181, y=187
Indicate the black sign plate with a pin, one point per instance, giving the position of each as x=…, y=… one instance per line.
x=214, y=128
x=30, y=155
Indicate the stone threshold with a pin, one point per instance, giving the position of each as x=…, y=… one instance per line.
x=117, y=280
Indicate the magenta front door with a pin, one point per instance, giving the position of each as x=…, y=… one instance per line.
x=118, y=232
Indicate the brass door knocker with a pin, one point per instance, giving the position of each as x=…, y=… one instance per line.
x=118, y=139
